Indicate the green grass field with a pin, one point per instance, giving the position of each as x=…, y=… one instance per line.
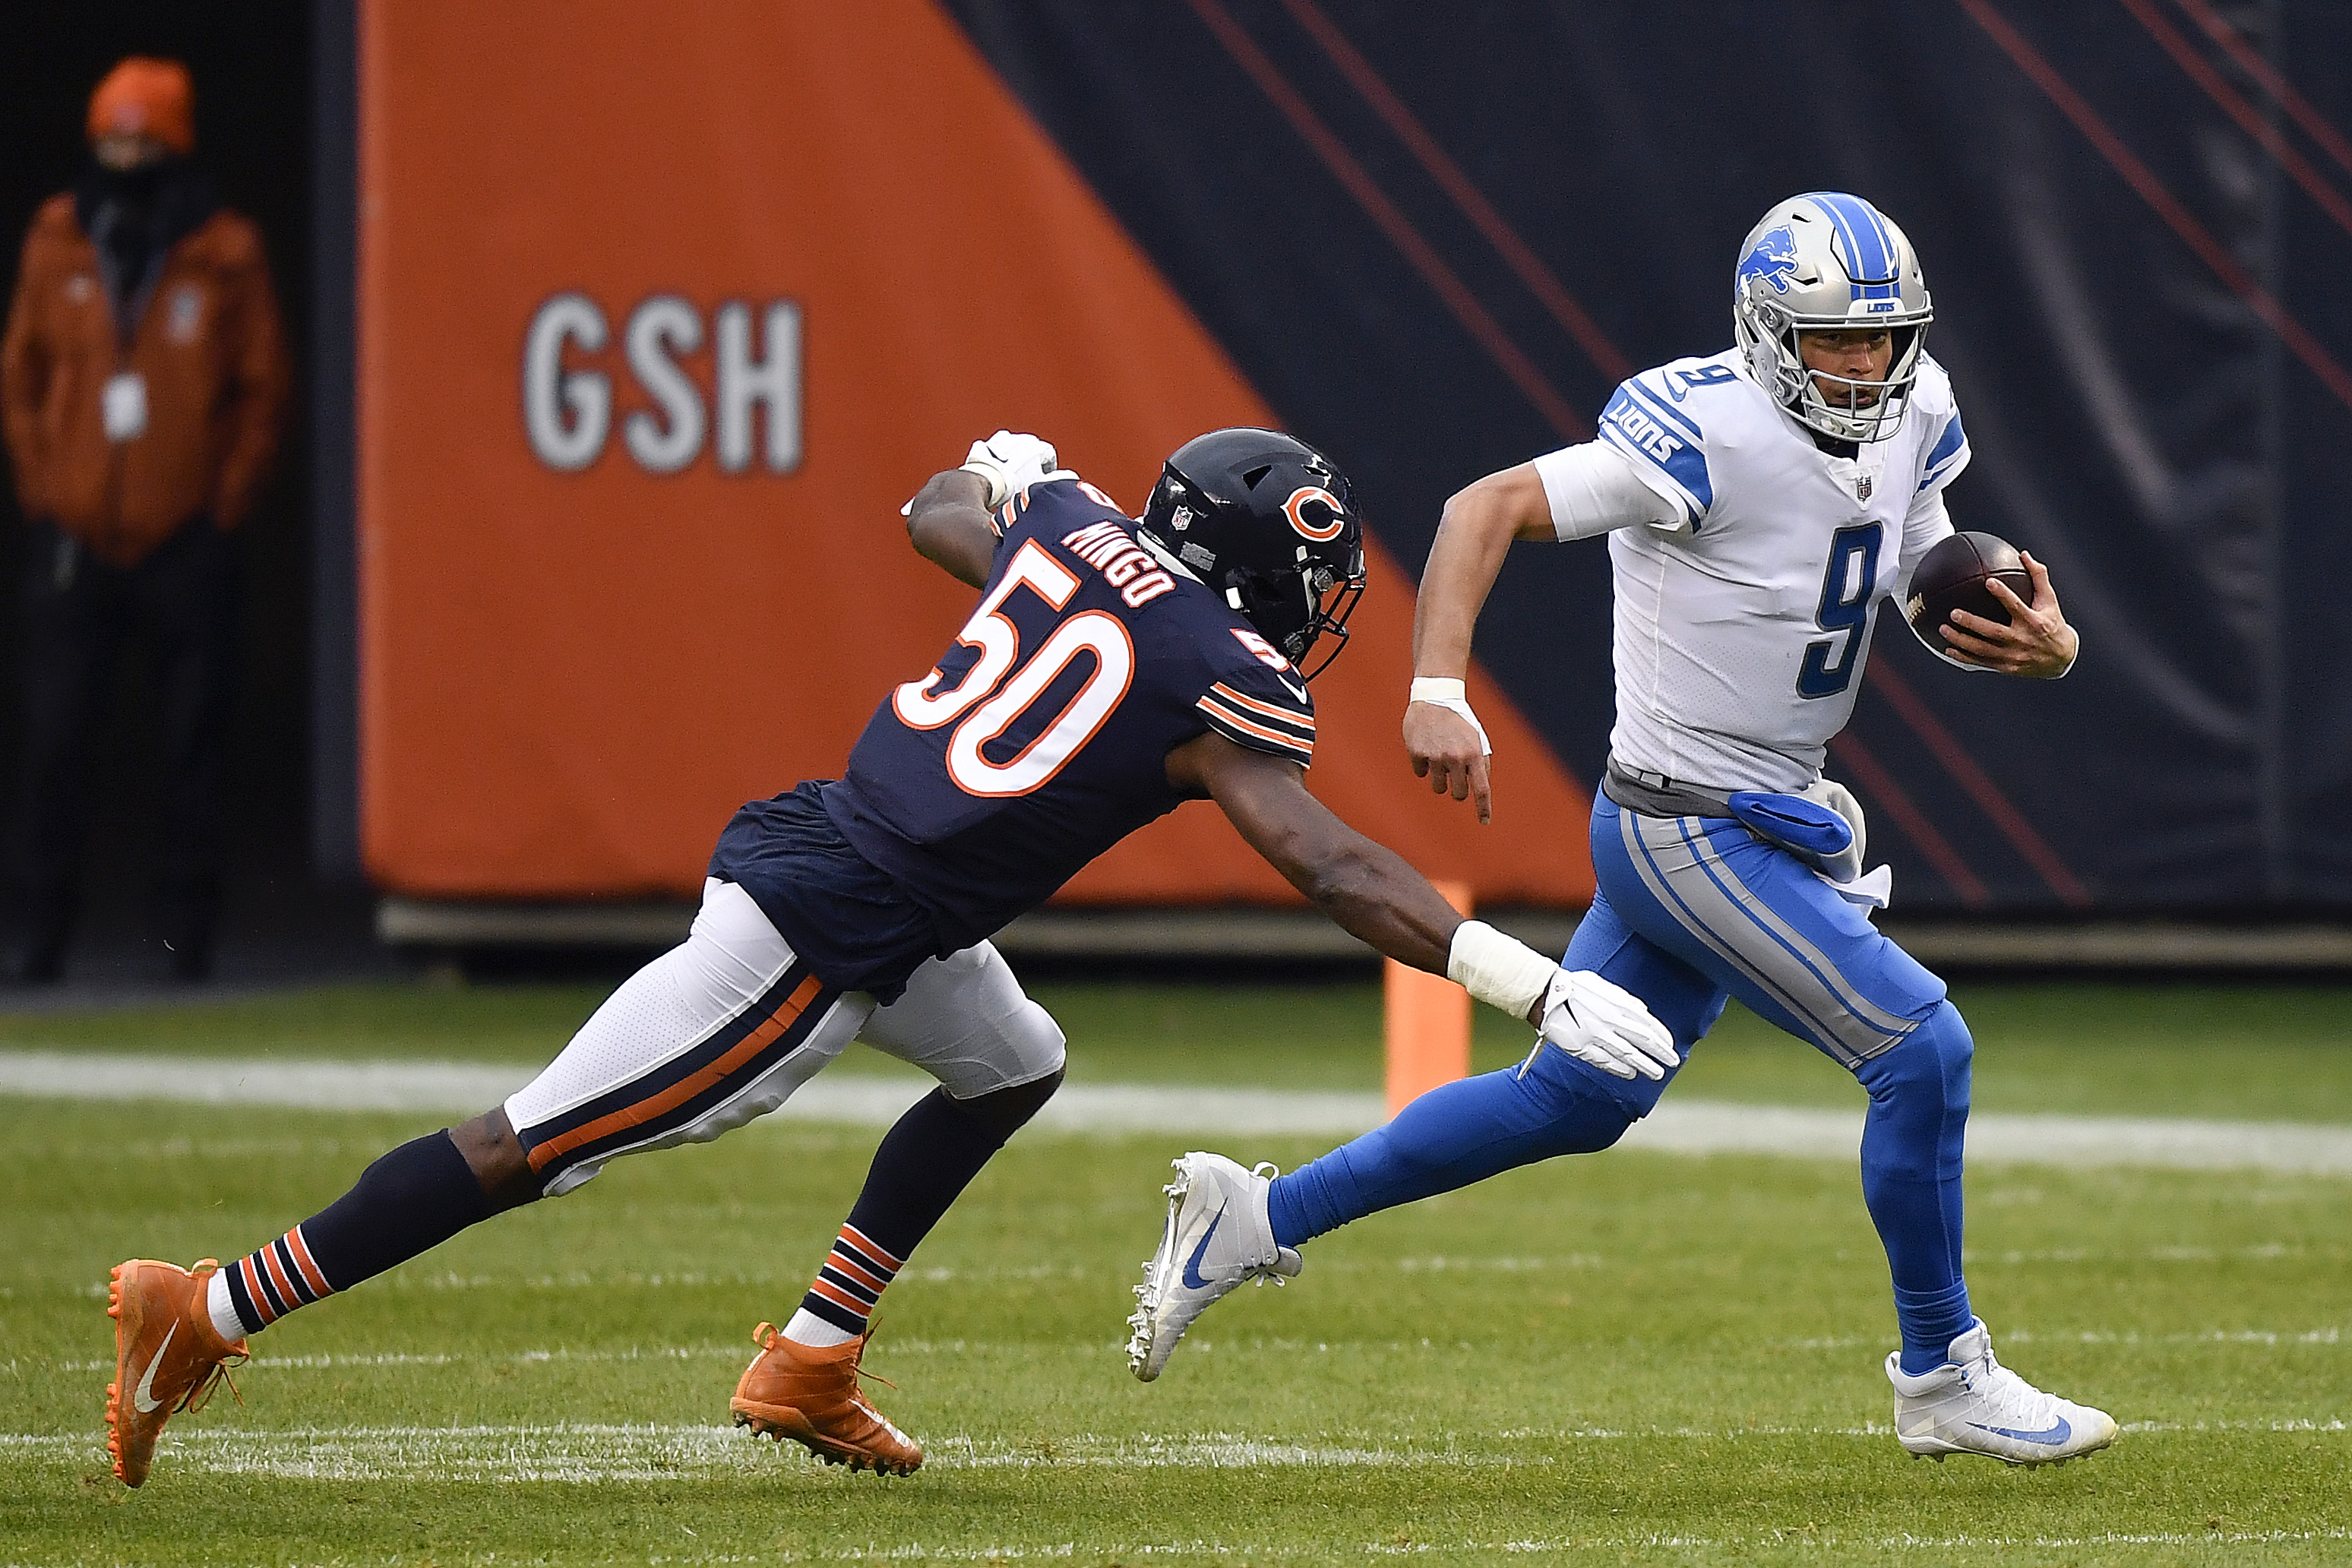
x=1629, y=1358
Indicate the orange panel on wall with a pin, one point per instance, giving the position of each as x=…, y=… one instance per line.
x=664, y=312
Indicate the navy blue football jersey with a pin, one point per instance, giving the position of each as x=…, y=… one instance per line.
x=1040, y=739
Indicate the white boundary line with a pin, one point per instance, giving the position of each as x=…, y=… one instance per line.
x=1682, y=1127
x=330, y=1362
x=657, y=1450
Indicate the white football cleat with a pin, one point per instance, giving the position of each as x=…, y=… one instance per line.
x=1973, y=1405
x=1217, y=1235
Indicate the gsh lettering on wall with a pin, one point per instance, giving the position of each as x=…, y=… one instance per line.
x=568, y=394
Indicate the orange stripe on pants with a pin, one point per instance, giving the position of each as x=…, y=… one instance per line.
x=686, y=1088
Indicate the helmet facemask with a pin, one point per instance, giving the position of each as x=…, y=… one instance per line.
x=1832, y=262
x=1297, y=611
x=1853, y=408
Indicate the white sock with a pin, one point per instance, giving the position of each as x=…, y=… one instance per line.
x=221, y=1309
x=807, y=1329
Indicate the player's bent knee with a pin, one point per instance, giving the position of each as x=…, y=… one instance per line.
x=1932, y=1064
x=965, y=1020
x=1587, y=1103
x=1005, y=1111
x=1034, y=1045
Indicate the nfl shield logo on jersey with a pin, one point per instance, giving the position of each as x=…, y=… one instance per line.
x=1862, y=486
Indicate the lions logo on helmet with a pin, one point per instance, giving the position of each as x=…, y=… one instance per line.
x=1771, y=259
x=1266, y=521
x=1826, y=261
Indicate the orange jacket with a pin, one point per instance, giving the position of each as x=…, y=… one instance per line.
x=211, y=352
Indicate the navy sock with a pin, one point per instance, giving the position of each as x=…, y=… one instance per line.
x=412, y=1199
x=921, y=1166
x=1451, y=1137
x=1912, y=1144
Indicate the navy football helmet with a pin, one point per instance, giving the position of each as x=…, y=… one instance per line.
x=1264, y=519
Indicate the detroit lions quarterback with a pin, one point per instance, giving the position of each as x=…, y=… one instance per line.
x=1760, y=504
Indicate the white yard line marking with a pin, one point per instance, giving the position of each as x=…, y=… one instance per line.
x=2266, y=1338
x=1700, y=1127
x=1684, y=1127
x=490, y=1451
x=1823, y=1545
x=594, y=1452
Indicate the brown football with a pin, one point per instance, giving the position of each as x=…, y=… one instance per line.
x=1952, y=577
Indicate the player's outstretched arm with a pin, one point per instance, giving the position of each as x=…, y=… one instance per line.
x=2037, y=642
x=948, y=524
x=1448, y=746
x=1374, y=896
x=1364, y=886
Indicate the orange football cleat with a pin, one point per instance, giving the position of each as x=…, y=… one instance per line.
x=811, y=1396
x=167, y=1356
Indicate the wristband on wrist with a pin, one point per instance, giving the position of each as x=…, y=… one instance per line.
x=1501, y=970
x=1453, y=695
x=999, y=489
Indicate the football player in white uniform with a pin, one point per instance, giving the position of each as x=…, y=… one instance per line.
x=1761, y=505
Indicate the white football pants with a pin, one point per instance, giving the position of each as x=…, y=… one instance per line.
x=725, y=1026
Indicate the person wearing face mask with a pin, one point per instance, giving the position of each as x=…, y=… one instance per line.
x=143, y=381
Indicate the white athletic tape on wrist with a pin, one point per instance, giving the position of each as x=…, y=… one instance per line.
x=1454, y=696
x=1000, y=487
x=1501, y=970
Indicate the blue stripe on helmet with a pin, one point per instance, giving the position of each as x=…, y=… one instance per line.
x=1869, y=248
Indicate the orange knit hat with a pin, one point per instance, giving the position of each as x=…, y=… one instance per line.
x=144, y=97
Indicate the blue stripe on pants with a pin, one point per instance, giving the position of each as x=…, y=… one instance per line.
x=1691, y=909
x=1755, y=921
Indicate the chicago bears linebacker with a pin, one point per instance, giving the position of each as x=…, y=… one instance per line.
x=1760, y=504
x=1113, y=669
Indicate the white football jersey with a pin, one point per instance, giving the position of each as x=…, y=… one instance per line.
x=1748, y=576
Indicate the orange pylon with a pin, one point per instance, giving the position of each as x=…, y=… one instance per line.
x=1427, y=1024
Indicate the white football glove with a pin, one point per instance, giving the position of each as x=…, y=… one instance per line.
x=1606, y=1026
x=1010, y=463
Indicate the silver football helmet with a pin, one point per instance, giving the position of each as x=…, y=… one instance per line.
x=1829, y=261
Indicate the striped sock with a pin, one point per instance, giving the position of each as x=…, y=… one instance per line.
x=270, y=1281
x=846, y=1289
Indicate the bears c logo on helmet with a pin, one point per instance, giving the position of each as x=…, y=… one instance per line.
x=1294, y=509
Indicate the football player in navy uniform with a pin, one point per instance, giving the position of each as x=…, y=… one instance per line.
x=1113, y=669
